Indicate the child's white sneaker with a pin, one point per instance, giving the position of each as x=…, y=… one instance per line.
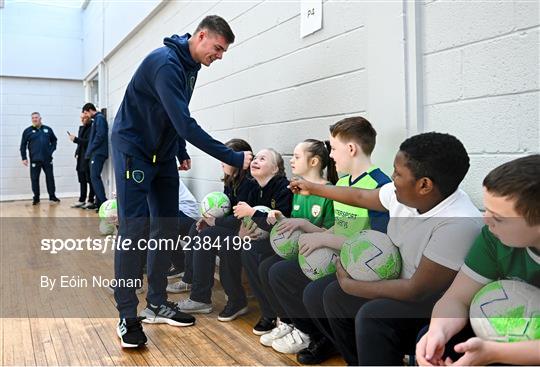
x=291, y=343
x=278, y=332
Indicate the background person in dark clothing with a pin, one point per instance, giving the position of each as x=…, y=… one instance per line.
x=97, y=151
x=83, y=166
x=41, y=143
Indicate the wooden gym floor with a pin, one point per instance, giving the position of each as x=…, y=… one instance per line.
x=77, y=326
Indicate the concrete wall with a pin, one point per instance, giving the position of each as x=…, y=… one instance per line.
x=59, y=102
x=481, y=79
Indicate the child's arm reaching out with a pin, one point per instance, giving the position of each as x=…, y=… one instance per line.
x=362, y=198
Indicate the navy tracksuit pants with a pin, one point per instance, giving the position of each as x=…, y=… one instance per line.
x=144, y=187
x=96, y=166
x=35, y=171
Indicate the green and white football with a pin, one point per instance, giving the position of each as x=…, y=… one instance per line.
x=285, y=244
x=371, y=256
x=321, y=262
x=506, y=311
x=215, y=204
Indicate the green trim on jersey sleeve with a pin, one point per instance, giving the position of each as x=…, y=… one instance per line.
x=482, y=257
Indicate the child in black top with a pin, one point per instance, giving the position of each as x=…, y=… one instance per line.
x=267, y=168
x=219, y=232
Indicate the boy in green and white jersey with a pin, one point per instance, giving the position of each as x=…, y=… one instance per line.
x=507, y=248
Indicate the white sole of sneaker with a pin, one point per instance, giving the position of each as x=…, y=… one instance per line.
x=165, y=320
x=268, y=342
x=241, y=312
x=127, y=345
x=256, y=332
x=201, y=310
x=295, y=351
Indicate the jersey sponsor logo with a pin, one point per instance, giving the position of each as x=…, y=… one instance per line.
x=315, y=210
x=296, y=207
x=33, y=131
x=273, y=204
x=45, y=130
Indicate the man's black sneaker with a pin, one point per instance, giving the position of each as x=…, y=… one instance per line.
x=231, y=312
x=318, y=351
x=167, y=313
x=54, y=199
x=35, y=202
x=131, y=333
x=174, y=273
x=89, y=206
x=265, y=325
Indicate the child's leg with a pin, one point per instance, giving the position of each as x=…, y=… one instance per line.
x=204, y=263
x=251, y=259
x=340, y=309
x=230, y=274
x=288, y=283
x=386, y=330
x=313, y=300
x=183, y=260
x=264, y=270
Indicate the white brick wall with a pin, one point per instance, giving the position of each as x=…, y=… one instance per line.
x=273, y=88
x=479, y=79
x=59, y=102
x=481, y=62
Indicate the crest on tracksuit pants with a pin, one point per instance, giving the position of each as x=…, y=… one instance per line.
x=138, y=176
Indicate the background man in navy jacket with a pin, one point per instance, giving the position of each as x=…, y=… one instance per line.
x=150, y=130
x=41, y=143
x=97, y=151
x=83, y=164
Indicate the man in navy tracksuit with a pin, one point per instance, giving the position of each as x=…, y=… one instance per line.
x=149, y=131
x=97, y=151
x=41, y=143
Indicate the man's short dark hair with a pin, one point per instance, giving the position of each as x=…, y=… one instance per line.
x=439, y=157
x=89, y=107
x=519, y=180
x=35, y=113
x=218, y=25
x=357, y=129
